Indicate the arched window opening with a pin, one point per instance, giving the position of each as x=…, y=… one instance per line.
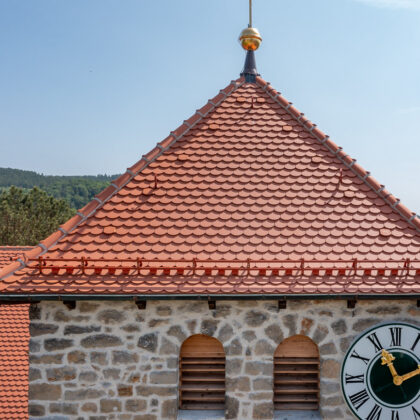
x=296, y=374
x=202, y=374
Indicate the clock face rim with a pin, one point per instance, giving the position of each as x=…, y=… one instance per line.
x=353, y=344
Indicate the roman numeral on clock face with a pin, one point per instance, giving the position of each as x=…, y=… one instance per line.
x=416, y=414
x=373, y=338
x=375, y=413
x=359, y=398
x=395, y=415
x=395, y=336
x=416, y=342
x=358, y=379
x=355, y=355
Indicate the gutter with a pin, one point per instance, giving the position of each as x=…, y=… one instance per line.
x=35, y=298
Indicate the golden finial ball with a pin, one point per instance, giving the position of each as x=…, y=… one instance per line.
x=250, y=39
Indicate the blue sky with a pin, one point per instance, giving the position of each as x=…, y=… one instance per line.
x=88, y=87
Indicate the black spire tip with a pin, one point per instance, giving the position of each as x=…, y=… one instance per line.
x=250, y=68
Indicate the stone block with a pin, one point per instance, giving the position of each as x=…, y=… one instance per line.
x=98, y=358
x=249, y=336
x=242, y=384
x=111, y=373
x=125, y=390
x=161, y=391
x=232, y=407
x=101, y=341
x=87, y=307
x=88, y=376
x=339, y=327
x=83, y=394
x=263, y=411
x=289, y=322
x=34, y=346
x=64, y=373
x=135, y=405
x=384, y=310
x=34, y=374
x=264, y=348
x=148, y=342
x=55, y=344
x=274, y=332
x=234, y=348
x=77, y=329
x=258, y=396
x=258, y=368
x=209, y=327
x=64, y=408
x=363, y=324
x=262, y=384
x=320, y=333
x=111, y=316
x=34, y=312
x=306, y=325
x=225, y=333
x=130, y=328
x=177, y=332
x=76, y=356
x=255, y=318
x=44, y=392
x=145, y=417
x=89, y=407
x=233, y=366
x=38, y=328
x=163, y=377
x=36, y=410
x=110, y=405
x=169, y=409
x=167, y=347
x=45, y=359
x=330, y=369
x=164, y=310
x=124, y=357
x=328, y=349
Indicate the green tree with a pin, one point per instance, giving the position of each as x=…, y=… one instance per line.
x=29, y=216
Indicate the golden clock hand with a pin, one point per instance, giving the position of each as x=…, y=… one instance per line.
x=387, y=359
x=410, y=374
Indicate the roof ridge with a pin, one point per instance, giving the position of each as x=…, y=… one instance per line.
x=116, y=185
x=409, y=216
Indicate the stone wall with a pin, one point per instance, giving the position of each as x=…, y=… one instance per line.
x=110, y=360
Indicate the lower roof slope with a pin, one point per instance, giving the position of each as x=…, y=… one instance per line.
x=14, y=340
x=245, y=184
x=14, y=363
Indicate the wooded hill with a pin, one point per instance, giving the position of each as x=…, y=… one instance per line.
x=76, y=190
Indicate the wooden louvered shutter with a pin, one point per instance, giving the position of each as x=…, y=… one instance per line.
x=296, y=374
x=202, y=374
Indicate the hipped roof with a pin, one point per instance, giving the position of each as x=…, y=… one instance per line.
x=245, y=197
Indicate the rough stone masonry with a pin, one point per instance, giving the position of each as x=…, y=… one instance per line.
x=110, y=360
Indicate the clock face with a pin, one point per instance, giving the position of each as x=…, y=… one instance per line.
x=380, y=375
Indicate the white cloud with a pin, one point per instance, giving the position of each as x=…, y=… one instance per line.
x=394, y=4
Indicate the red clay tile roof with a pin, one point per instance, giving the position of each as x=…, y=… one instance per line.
x=14, y=363
x=14, y=337
x=10, y=253
x=245, y=184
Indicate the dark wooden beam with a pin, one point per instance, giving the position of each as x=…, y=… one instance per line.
x=351, y=303
x=282, y=304
x=71, y=304
x=141, y=304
